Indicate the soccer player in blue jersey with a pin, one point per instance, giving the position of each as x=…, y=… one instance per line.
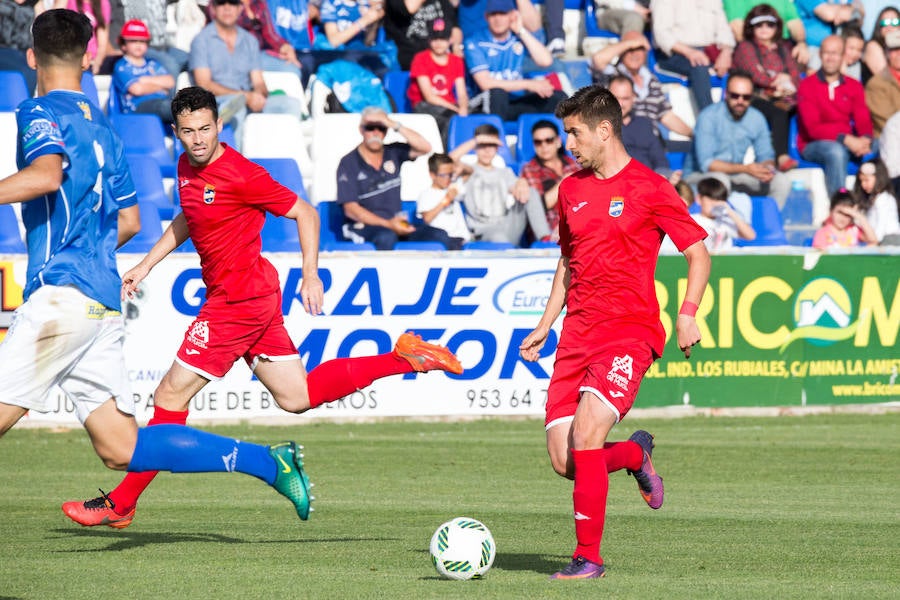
x=78, y=206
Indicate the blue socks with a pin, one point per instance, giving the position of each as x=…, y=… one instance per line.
x=181, y=449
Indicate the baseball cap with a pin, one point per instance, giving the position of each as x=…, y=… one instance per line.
x=499, y=6
x=892, y=40
x=438, y=29
x=135, y=29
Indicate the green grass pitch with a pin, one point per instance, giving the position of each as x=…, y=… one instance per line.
x=789, y=507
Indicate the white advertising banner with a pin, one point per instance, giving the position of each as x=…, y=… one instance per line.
x=481, y=306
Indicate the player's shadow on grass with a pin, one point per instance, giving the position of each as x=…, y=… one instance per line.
x=524, y=561
x=124, y=540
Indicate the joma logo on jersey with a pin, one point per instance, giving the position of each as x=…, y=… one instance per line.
x=616, y=206
x=199, y=334
x=209, y=194
x=621, y=371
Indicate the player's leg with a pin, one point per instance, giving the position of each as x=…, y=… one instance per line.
x=9, y=416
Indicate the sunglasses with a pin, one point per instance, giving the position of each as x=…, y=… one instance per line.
x=221, y=2
x=444, y=175
x=539, y=142
x=374, y=127
x=890, y=22
x=483, y=146
x=744, y=97
x=765, y=24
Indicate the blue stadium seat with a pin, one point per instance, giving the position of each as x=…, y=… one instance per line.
x=590, y=23
x=794, y=152
x=409, y=246
x=396, y=83
x=524, y=144
x=89, y=87
x=151, y=230
x=279, y=234
x=348, y=247
x=461, y=129
x=286, y=172
x=331, y=222
x=766, y=220
x=10, y=239
x=149, y=184
x=482, y=245
x=13, y=90
x=144, y=134
x=538, y=244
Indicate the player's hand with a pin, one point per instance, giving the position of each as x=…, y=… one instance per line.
x=687, y=332
x=530, y=348
x=131, y=280
x=312, y=293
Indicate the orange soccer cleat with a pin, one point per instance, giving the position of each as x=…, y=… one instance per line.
x=98, y=511
x=424, y=356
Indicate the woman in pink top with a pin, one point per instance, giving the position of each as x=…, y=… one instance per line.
x=98, y=12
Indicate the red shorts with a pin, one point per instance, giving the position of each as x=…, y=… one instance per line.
x=225, y=331
x=612, y=372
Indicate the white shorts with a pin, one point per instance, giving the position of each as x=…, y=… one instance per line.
x=60, y=337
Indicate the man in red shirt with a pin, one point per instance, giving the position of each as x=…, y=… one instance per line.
x=613, y=216
x=833, y=122
x=224, y=200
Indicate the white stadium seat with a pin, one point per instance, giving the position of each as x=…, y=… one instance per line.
x=268, y=135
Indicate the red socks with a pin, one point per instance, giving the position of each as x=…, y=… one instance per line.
x=623, y=455
x=339, y=377
x=126, y=494
x=589, y=500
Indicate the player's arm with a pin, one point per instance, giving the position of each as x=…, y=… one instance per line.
x=311, y=289
x=174, y=235
x=686, y=328
x=129, y=224
x=43, y=176
x=531, y=346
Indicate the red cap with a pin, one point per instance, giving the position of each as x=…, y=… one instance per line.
x=135, y=29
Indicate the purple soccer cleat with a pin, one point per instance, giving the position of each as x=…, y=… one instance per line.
x=650, y=485
x=580, y=568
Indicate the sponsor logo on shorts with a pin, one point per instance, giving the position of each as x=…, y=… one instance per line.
x=620, y=373
x=199, y=334
x=191, y=351
x=616, y=206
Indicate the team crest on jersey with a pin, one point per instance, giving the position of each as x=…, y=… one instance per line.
x=199, y=334
x=209, y=194
x=621, y=371
x=390, y=167
x=616, y=206
x=86, y=109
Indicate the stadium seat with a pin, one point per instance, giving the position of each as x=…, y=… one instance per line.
x=396, y=83
x=590, y=23
x=348, y=247
x=419, y=246
x=331, y=223
x=461, y=129
x=144, y=134
x=538, y=244
x=89, y=87
x=766, y=220
x=288, y=83
x=336, y=134
x=10, y=237
x=285, y=172
x=151, y=230
x=269, y=135
x=149, y=185
x=13, y=90
x=794, y=152
x=279, y=234
x=8, y=132
x=524, y=145
x=482, y=245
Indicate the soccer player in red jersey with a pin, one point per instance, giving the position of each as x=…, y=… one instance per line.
x=613, y=216
x=224, y=200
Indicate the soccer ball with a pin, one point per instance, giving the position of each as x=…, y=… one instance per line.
x=462, y=548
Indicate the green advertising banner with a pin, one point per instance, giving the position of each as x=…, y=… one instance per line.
x=785, y=330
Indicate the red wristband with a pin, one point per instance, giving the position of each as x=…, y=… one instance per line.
x=688, y=309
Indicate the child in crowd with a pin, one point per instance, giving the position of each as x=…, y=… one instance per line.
x=722, y=223
x=498, y=204
x=437, y=83
x=854, y=43
x=141, y=84
x=873, y=190
x=439, y=205
x=846, y=226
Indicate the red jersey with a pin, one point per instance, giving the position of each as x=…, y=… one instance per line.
x=225, y=204
x=442, y=77
x=611, y=230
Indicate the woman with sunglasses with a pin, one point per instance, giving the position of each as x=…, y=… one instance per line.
x=547, y=168
x=766, y=56
x=875, y=54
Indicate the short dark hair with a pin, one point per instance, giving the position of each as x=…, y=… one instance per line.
x=593, y=104
x=61, y=35
x=548, y=124
x=487, y=129
x=194, y=98
x=843, y=197
x=621, y=79
x=712, y=187
x=739, y=74
x=437, y=160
